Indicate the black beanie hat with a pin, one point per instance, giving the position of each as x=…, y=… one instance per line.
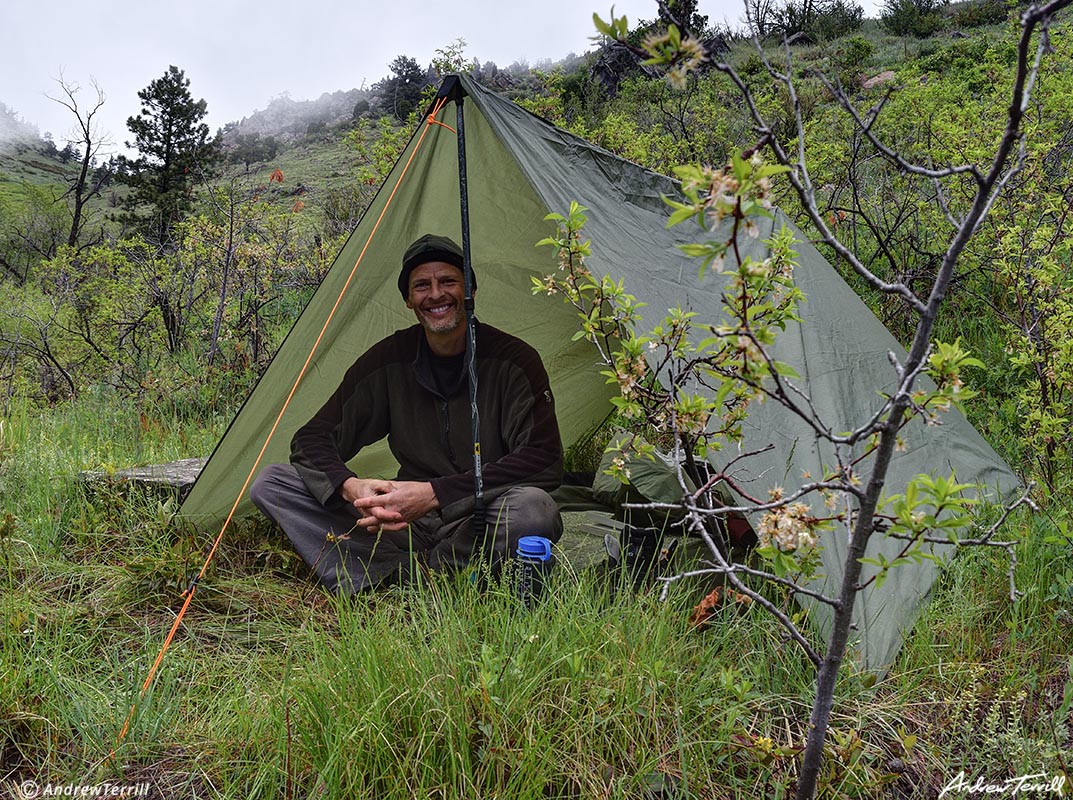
x=429, y=248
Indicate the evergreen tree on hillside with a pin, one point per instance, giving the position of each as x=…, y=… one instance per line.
x=14, y=131
x=401, y=92
x=684, y=14
x=174, y=150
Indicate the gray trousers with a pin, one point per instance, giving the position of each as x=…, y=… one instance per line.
x=348, y=559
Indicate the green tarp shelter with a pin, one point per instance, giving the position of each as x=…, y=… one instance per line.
x=520, y=168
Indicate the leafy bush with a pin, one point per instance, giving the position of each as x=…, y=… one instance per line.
x=343, y=206
x=849, y=58
x=974, y=65
x=752, y=66
x=980, y=12
x=919, y=18
x=838, y=18
x=818, y=21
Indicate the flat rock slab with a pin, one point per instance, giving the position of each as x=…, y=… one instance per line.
x=177, y=476
x=878, y=80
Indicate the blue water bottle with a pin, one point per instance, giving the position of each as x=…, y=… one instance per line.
x=534, y=564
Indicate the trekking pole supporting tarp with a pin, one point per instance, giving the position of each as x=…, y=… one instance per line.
x=479, y=523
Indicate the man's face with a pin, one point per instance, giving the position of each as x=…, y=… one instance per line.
x=437, y=296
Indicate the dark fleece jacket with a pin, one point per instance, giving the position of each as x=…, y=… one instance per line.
x=391, y=391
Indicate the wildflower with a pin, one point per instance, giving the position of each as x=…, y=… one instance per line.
x=788, y=527
x=656, y=41
x=676, y=77
x=757, y=269
x=690, y=54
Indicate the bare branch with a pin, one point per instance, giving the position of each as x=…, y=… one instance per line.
x=769, y=577
x=799, y=179
x=787, y=623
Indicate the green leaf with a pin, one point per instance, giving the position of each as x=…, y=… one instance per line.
x=681, y=215
x=740, y=166
x=768, y=170
x=785, y=370
x=697, y=250
x=602, y=26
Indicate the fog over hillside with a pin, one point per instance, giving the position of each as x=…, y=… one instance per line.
x=14, y=130
x=287, y=118
x=284, y=118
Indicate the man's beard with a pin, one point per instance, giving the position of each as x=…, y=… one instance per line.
x=442, y=324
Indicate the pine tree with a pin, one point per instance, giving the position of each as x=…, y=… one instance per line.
x=174, y=150
x=401, y=92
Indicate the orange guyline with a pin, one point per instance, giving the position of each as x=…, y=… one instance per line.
x=189, y=592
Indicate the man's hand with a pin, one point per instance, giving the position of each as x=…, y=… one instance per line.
x=388, y=505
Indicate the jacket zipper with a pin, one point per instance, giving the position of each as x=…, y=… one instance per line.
x=445, y=430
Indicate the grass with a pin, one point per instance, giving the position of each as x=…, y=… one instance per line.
x=312, y=169
x=23, y=171
x=273, y=689
x=28, y=167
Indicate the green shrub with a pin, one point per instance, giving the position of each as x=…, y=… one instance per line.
x=818, y=21
x=919, y=18
x=980, y=12
x=751, y=66
x=849, y=58
x=836, y=19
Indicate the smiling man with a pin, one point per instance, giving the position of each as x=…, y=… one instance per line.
x=357, y=532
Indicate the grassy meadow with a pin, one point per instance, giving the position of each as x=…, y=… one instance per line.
x=274, y=689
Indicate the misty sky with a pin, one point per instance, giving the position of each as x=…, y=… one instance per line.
x=239, y=55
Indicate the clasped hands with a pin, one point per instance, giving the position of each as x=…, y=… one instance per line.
x=388, y=505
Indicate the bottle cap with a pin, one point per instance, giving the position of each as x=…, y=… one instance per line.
x=534, y=548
